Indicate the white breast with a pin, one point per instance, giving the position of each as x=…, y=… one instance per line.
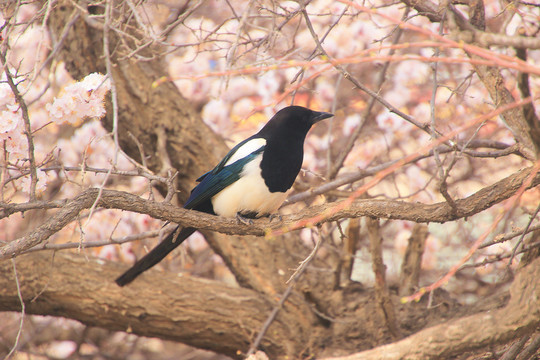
x=248, y=194
x=246, y=149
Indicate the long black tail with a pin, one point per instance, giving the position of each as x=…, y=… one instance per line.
x=157, y=254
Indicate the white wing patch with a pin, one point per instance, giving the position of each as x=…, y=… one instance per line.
x=246, y=149
x=249, y=193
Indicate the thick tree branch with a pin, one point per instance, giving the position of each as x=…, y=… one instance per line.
x=521, y=316
x=470, y=35
x=202, y=313
x=214, y=316
x=111, y=199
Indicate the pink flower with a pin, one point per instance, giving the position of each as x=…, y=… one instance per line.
x=80, y=100
x=10, y=120
x=43, y=178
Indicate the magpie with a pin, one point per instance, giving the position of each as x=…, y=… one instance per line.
x=251, y=181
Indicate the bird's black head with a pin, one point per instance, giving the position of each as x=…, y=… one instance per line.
x=284, y=149
x=290, y=120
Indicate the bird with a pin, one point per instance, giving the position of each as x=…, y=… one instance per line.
x=251, y=181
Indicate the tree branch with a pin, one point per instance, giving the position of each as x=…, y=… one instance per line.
x=521, y=316
x=111, y=199
x=202, y=313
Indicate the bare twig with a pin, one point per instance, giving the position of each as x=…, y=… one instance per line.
x=348, y=76
x=264, y=328
x=114, y=99
x=442, y=173
x=27, y=127
x=97, y=243
x=161, y=148
x=381, y=77
x=505, y=237
x=304, y=263
x=59, y=43
x=292, y=282
x=143, y=161
x=527, y=227
x=19, y=332
x=496, y=258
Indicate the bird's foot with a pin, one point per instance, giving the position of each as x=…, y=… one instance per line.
x=275, y=216
x=243, y=219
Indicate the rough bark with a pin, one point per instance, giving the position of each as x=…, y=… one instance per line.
x=214, y=316
x=202, y=313
x=410, y=268
x=519, y=317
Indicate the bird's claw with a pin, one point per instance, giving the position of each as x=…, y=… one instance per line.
x=275, y=216
x=243, y=220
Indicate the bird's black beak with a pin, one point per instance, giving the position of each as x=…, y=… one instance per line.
x=318, y=116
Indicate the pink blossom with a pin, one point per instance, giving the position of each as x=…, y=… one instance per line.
x=10, y=121
x=80, y=100
x=43, y=177
x=6, y=95
x=351, y=122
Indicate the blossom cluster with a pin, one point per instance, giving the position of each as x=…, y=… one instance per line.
x=80, y=100
x=12, y=138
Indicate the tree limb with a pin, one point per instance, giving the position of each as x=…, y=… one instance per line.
x=199, y=312
x=521, y=316
x=112, y=199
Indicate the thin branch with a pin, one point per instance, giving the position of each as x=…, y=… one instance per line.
x=97, y=243
x=304, y=263
x=23, y=311
x=527, y=227
x=114, y=100
x=74, y=17
x=496, y=258
x=27, y=127
x=502, y=238
x=292, y=282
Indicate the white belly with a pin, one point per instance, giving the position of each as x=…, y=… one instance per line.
x=248, y=194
